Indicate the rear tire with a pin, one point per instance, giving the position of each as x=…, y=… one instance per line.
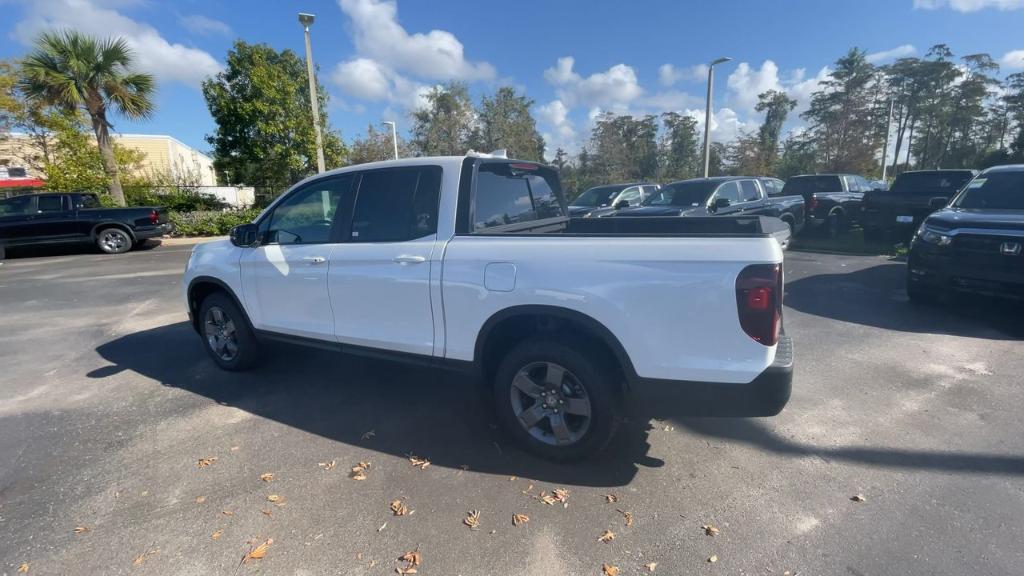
x=555, y=400
x=226, y=334
x=113, y=240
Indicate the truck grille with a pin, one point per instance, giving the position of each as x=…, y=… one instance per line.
x=983, y=254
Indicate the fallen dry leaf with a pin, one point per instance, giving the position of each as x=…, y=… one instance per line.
x=267, y=512
x=611, y=498
x=398, y=508
x=23, y=568
x=528, y=489
x=328, y=465
x=628, y=517
x=257, y=553
x=412, y=560
x=859, y=498
x=520, y=519
x=609, y=570
x=81, y=529
x=359, y=471
x=511, y=478
x=712, y=559
x=368, y=435
x=275, y=499
x=204, y=462
x=606, y=536
x=472, y=519
x=420, y=463
x=267, y=476
x=561, y=495
x=359, y=555
x=234, y=448
x=216, y=535
x=200, y=499
x=227, y=512
x=709, y=530
x=142, y=557
x=650, y=566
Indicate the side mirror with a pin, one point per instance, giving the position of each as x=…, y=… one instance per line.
x=622, y=204
x=721, y=203
x=243, y=235
x=938, y=202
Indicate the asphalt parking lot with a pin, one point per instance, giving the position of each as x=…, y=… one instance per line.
x=108, y=403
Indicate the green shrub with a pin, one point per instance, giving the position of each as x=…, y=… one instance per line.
x=210, y=222
x=174, y=199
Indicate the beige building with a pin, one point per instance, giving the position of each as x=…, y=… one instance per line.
x=165, y=155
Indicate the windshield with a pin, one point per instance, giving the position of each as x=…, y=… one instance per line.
x=599, y=196
x=807, y=185
x=994, y=191
x=939, y=182
x=688, y=193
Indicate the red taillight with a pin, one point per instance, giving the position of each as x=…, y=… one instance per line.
x=153, y=217
x=759, y=302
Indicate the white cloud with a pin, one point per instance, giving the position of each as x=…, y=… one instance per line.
x=969, y=5
x=203, y=25
x=1013, y=59
x=886, y=55
x=670, y=100
x=726, y=125
x=436, y=55
x=363, y=78
x=614, y=88
x=559, y=131
x=669, y=74
x=746, y=83
x=154, y=54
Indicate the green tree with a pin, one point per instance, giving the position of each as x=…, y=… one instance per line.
x=504, y=121
x=798, y=156
x=625, y=148
x=678, y=150
x=376, y=146
x=77, y=72
x=260, y=104
x=776, y=106
x=446, y=126
x=1014, y=101
x=76, y=163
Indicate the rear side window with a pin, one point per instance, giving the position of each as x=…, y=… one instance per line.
x=51, y=203
x=807, y=185
x=396, y=205
x=506, y=194
x=772, y=186
x=88, y=202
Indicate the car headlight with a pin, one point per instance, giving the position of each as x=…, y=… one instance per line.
x=935, y=237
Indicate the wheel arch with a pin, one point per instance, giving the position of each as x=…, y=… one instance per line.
x=512, y=325
x=112, y=224
x=202, y=286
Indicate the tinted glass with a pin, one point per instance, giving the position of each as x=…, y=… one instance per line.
x=994, y=191
x=306, y=216
x=396, y=205
x=686, y=193
x=88, y=202
x=730, y=191
x=851, y=184
x=772, y=187
x=807, y=185
x=15, y=206
x=51, y=204
x=937, y=182
x=748, y=190
x=599, y=196
x=507, y=195
x=631, y=195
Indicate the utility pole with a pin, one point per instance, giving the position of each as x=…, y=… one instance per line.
x=885, y=147
x=707, y=114
x=307, y=20
x=394, y=136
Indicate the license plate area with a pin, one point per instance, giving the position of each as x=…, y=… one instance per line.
x=904, y=219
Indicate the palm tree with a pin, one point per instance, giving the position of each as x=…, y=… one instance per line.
x=74, y=71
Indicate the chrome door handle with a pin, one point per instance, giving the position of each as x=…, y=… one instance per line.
x=315, y=259
x=410, y=259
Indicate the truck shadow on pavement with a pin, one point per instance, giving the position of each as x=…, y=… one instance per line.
x=410, y=410
x=876, y=297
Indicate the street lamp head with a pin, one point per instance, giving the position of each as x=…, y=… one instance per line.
x=720, y=60
x=306, y=19
x=388, y=122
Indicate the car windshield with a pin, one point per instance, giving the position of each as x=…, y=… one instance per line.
x=939, y=182
x=807, y=185
x=688, y=193
x=599, y=196
x=994, y=191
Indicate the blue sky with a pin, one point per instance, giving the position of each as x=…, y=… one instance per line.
x=575, y=58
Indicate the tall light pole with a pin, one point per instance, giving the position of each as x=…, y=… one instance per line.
x=707, y=114
x=394, y=136
x=307, y=20
x=885, y=147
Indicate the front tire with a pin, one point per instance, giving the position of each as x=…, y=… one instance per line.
x=113, y=241
x=557, y=401
x=226, y=334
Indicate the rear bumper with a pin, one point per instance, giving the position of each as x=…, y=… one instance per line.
x=765, y=395
x=886, y=220
x=142, y=233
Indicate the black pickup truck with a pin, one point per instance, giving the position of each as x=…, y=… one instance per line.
x=724, y=196
x=912, y=197
x=77, y=218
x=974, y=244
x=832, y=201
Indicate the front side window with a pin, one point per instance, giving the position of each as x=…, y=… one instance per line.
x=396, y=205
x=631, y=195
x=514, y=193
x=306, y=216
x=51, y=204
x=730, y=191
x=89, y=202
x=16, y=206
x=748, y=191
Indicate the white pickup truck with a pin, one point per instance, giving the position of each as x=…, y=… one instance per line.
x=470, y=263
